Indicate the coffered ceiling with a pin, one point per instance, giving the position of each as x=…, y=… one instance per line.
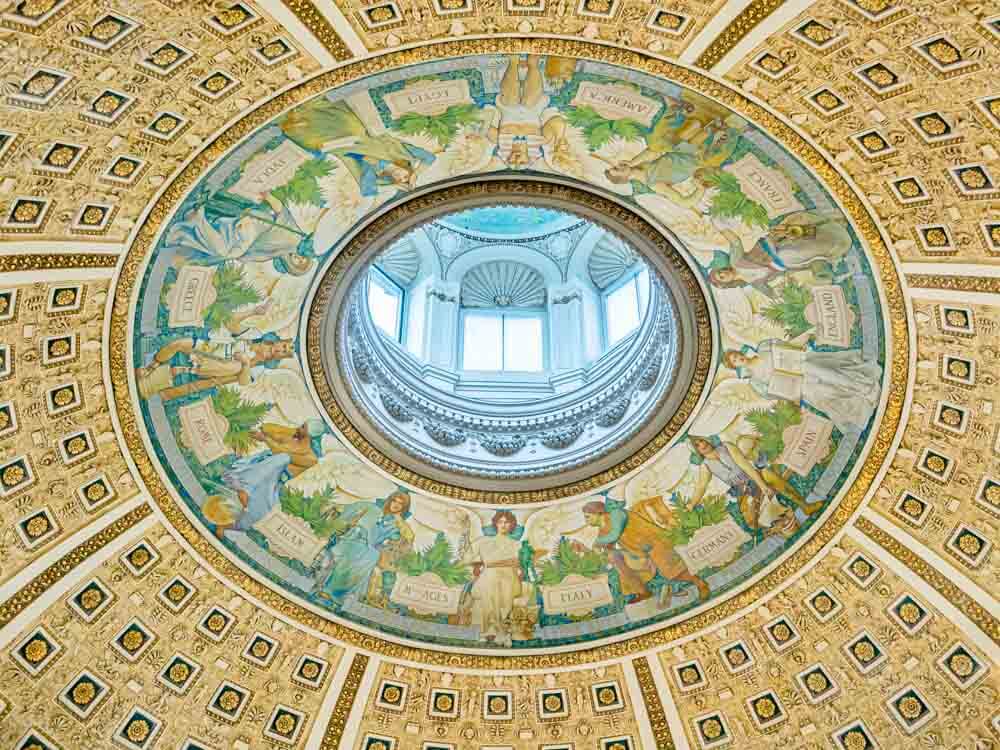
x=120, y=629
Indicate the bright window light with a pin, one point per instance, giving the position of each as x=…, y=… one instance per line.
x=522, y=344
x=482, y=342
x=385, y=303
x=494, y=342
x=622, y=310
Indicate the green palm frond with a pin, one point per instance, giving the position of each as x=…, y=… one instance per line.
x=231, y=292
x=303, y=188
x=444, y=127
x=790, y=310
x=598, y=130
x=243, y=416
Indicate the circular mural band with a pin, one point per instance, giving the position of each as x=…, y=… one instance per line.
x=222, y=355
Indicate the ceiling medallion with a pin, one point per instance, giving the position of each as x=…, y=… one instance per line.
x=219, y=357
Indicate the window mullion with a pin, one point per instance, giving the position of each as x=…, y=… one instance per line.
x=503, y=343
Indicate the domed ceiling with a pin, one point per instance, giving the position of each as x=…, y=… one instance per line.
x=241, y=511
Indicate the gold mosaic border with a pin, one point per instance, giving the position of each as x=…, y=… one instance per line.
x=954, y=283
x=746, y=21
x=310, y=17
x=881, y=259
x=53, y=261
x=654, y=706
x=381, y=231
x=30, y=592
x=968, y=606
x=345, y=701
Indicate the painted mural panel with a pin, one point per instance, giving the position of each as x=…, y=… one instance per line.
x=218, y=363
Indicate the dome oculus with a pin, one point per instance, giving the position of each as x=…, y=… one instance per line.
x=496, y=361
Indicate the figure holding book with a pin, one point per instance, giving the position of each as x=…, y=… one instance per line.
x=841, y=384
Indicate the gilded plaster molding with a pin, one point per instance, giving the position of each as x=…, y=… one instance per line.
x=52, y=261
x=654, y=705
x=746, y=21
x=972, y=609
x=954, y=283
x=59, y=569
x=345, y=702
x=314, y=20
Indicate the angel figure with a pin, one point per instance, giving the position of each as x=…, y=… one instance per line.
x=800, y=240
x=525, y=121
x=245, y=232
x=841, y=384
x=373, y=160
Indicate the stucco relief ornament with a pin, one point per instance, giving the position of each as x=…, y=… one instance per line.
x=36, y=8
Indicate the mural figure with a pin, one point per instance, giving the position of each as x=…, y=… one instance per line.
x=254, y=235
x=218, y=360
x=801, y=240
x=367, y=539
x=754, y=484
x=841, y=384
x=640, y=550
x=257, y=480
x=676, y=149
x=525, y=122
x=373, y=160
x=497, y=578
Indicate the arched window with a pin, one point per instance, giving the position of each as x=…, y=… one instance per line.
x=390, y=279
x=503, y=325
x=623, y=280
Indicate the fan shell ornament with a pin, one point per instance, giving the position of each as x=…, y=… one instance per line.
x=355, y=554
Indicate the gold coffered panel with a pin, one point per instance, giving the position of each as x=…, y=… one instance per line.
x=115, y=635
x=132, y=650
x=61, y=467
x=102, y=104
x=908, y=103
x=851, y=651
x=661, y=28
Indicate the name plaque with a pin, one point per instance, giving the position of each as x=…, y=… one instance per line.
x=713, y=546
x=577, y=595
x=425, y=593
x=617, y=102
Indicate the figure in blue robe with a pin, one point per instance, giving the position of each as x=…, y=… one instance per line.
x=367, y=537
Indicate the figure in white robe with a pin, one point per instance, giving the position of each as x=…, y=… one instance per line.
x=497, y=583
x=841, y=384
